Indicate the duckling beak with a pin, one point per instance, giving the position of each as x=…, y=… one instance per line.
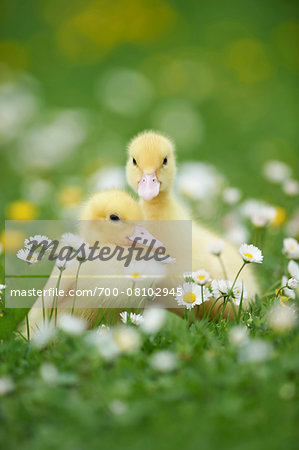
x=148, y=186
x=143, y=234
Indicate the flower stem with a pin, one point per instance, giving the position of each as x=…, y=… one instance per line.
x=237, y=276
x=280, y=289
x=203, y=302
x=225, y=300
x=27, y=327
x=55, y=300
x=223, y=267
x=76, y=283
x=212, y=307
x=43, y=306
x=240, y=306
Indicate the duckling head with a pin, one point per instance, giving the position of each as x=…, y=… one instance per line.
x=108, y=217
x=111, y=205
x=151, y=164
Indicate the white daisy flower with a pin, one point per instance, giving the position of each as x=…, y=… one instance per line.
x=164, y=361
x=282, y=318
x=108, y=178
x=231, y=195
x=293, y=269
x=291, y=187
x=199, y=181
x=124, y=316
x=223, y=287
x=216, y=247
x=117, y=407
x=238, y=335
x=260, y=213
x=263, y=216
x=103, y=342
x=250, y=253
x=287, y=291
x=276, y=171
x=6, y=385
x=71, y=324
x=38, y=238
x=136, y=319
x=23, y=254
x=190, y=296
x=255, y=351
x=154, y=319
x=62, y=264
x=49, y=373
x=127, y=339
x=292, y=283
x=43, y=336
x=291, y=248
x=74, y=241
x=201, y=277
x=2, y=286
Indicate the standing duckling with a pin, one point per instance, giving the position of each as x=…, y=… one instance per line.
x=151, y=170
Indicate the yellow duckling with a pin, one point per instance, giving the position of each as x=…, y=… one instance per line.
x=151, y=170
x=107, y=218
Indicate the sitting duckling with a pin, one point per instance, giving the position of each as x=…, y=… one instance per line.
x=151, y=170
x=106, y=217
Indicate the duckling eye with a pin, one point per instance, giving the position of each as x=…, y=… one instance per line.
x=114, y=217
x=134, y=162
x=165, y=161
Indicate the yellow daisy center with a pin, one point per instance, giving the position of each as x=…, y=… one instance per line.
x=135, y=275
x=189, y=297
x=201, y=277
x=248, y=255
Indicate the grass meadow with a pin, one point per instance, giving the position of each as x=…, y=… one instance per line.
x=77, y=81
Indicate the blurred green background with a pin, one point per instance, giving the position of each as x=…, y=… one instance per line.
x=79, y=78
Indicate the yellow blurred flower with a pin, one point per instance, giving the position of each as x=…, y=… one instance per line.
x=282, y=299
x=21, y=210
x=287, y=38
x=101, y=25
x=280, y=217
x=12, y=240
x=248, y=58
x=14, y=54
x=70, y=196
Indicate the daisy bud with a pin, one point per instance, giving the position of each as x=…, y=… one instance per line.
x=292, y=283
